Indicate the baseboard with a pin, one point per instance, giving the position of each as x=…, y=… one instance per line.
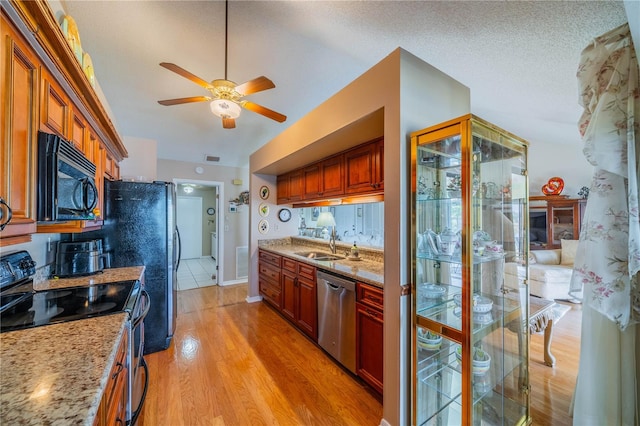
x=232, y=282
x=253, y=299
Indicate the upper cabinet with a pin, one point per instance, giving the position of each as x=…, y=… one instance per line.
x=358, y=171
x=44, y=88
x=18, y=109
x=364, y=170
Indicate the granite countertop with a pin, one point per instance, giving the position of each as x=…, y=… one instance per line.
x=56, y=374
x=106, y=276
x=365, y=270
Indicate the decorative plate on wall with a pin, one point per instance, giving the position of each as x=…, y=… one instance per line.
x=264, y=192
x=263, y=209
x=263, y=226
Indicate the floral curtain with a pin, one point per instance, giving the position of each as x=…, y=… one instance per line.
x=608, y=258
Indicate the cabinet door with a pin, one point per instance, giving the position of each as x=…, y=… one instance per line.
x=307, y=305
x=295, y=186
x=369, y=345
x=55, y=107
x=19, y=84
x=332, y=176
x=379, y=165
x=564, y=219
x=79, y=133
x=311, y=182
x=282, y=189
x=359, y=166
x=289, y=290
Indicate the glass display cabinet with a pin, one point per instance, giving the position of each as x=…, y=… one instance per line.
x=470, y=338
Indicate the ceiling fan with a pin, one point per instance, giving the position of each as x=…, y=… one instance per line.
x=226, y=96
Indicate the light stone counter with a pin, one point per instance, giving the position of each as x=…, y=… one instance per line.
x=368, y=271
x=56, y=374
x=107, y=276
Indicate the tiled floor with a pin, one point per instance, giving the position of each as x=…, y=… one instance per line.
x=196, y=273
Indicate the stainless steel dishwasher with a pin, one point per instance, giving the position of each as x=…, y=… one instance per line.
x=337, y=317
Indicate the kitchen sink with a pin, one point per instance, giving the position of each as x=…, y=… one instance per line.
x=318, y=255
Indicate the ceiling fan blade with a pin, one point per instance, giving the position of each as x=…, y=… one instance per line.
x=228, y=123
x=264, y=111
x=186, y=74
x=253, y=86
x=169, y=102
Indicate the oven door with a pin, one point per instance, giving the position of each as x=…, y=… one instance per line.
x=139, y=377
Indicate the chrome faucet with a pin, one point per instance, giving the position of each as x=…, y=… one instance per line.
x=332, y=240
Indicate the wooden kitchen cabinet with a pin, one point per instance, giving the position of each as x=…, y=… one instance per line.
x=370, y=335
x=306, y=300
x=324, y=178
x=358, y=171
x=289, y=288
x=269, y=283
x=113, y=406
x=19, y=86
x=564, y=219
x=54, y=108
x=299, y=299
x=290, y=187
x=364, y=168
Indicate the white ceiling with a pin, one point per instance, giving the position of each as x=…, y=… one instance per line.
x=519, y=59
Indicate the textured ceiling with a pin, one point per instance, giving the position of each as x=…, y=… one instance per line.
x=519, y=60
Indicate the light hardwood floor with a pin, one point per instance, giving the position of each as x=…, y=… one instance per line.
x=233, y=363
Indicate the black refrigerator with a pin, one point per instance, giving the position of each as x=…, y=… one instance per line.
x=140, y=229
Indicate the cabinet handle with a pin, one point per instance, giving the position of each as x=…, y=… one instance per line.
x=119, y=421
x=375, y=299
x=120, y=368
x=372, y=314
x=9, y=214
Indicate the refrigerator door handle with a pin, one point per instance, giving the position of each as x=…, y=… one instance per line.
x=179, y=248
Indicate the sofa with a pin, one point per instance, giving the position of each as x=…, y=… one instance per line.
x=549, y=272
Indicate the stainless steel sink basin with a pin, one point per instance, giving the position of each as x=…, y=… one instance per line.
x=318, y=255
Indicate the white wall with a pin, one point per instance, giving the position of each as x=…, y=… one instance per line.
x=141, y=163
x=235, y=225
x=547, y=160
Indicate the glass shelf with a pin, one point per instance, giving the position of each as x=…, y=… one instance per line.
x=470, y=219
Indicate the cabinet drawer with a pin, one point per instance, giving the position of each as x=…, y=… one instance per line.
x=269, y=272
x=370, y=295
x=117, y=380
x=270, y=292
x=307, y=271
x=274, y=259
x=289, y=264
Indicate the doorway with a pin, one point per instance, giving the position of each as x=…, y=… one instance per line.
x=199, y=219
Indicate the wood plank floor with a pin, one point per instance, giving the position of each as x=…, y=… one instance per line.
x=238, y=363
x=234, y=363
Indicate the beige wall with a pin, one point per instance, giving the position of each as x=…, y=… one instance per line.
x=399, y=95
x=208, y=224
x=234, y=226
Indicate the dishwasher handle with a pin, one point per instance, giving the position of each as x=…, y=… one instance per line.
x=334, y=282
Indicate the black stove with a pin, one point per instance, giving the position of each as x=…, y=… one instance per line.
x=21, y=307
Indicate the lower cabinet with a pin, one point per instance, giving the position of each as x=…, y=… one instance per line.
x=290, y=286
x=269, y=282
x=113, y=407
x=369, y=335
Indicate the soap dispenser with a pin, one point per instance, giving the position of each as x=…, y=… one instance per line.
x=354, y=250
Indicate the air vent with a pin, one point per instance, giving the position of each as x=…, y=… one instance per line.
x=211, y=158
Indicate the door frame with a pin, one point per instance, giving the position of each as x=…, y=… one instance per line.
x=219, y=214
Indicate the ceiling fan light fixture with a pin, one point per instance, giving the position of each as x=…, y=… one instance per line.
x=225, y=109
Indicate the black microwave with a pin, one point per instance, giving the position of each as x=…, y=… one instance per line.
x=66, y=181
